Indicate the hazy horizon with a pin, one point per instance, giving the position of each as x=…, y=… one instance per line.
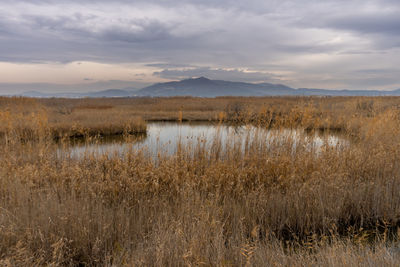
x=92, y=87
x=70, y=46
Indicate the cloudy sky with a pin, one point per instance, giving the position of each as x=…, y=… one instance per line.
x=95, y=44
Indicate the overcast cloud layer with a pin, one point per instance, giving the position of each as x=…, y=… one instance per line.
x=303, y=43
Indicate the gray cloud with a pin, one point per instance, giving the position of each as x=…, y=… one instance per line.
x=149, y=31
x=368, y=23
x=376, y=21
x=169, y=65
x=223, y=74
x=307, y=39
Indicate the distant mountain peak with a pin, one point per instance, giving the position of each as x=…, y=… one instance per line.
x=204, y=87
x=200, y=81
x=202, y=78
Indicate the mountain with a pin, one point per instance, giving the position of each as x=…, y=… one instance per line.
x=111, y=93
x=127, y=92
x=203, y=87
x=325, y=92
x=76, y=88
x=33, y=94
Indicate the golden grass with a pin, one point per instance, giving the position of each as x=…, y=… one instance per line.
x=27, y=119
x=276, y=204
x=316, y=112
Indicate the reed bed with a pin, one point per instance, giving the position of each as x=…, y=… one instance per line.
x=281, y=203
x=28, y=119
x=317, y=112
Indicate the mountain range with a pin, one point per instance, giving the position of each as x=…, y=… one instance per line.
x=203, y=87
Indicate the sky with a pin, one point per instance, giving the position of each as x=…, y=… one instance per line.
x=71, y=45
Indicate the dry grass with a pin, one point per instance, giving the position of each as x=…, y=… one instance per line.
x=316, y=112
x=275, y=204
x=27, y=119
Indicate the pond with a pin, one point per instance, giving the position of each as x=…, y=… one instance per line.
x=167, y=137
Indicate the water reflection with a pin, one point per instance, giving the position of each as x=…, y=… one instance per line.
x=166, y=137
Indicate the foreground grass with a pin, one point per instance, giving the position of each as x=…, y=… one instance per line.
x=282, y=204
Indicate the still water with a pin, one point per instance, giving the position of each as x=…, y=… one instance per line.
x=167, y=137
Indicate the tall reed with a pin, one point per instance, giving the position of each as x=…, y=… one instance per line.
x=283, y=202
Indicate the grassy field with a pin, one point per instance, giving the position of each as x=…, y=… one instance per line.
x=275, y=204
x=26, y=118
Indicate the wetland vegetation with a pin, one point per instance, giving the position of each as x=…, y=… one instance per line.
x=249, y=201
